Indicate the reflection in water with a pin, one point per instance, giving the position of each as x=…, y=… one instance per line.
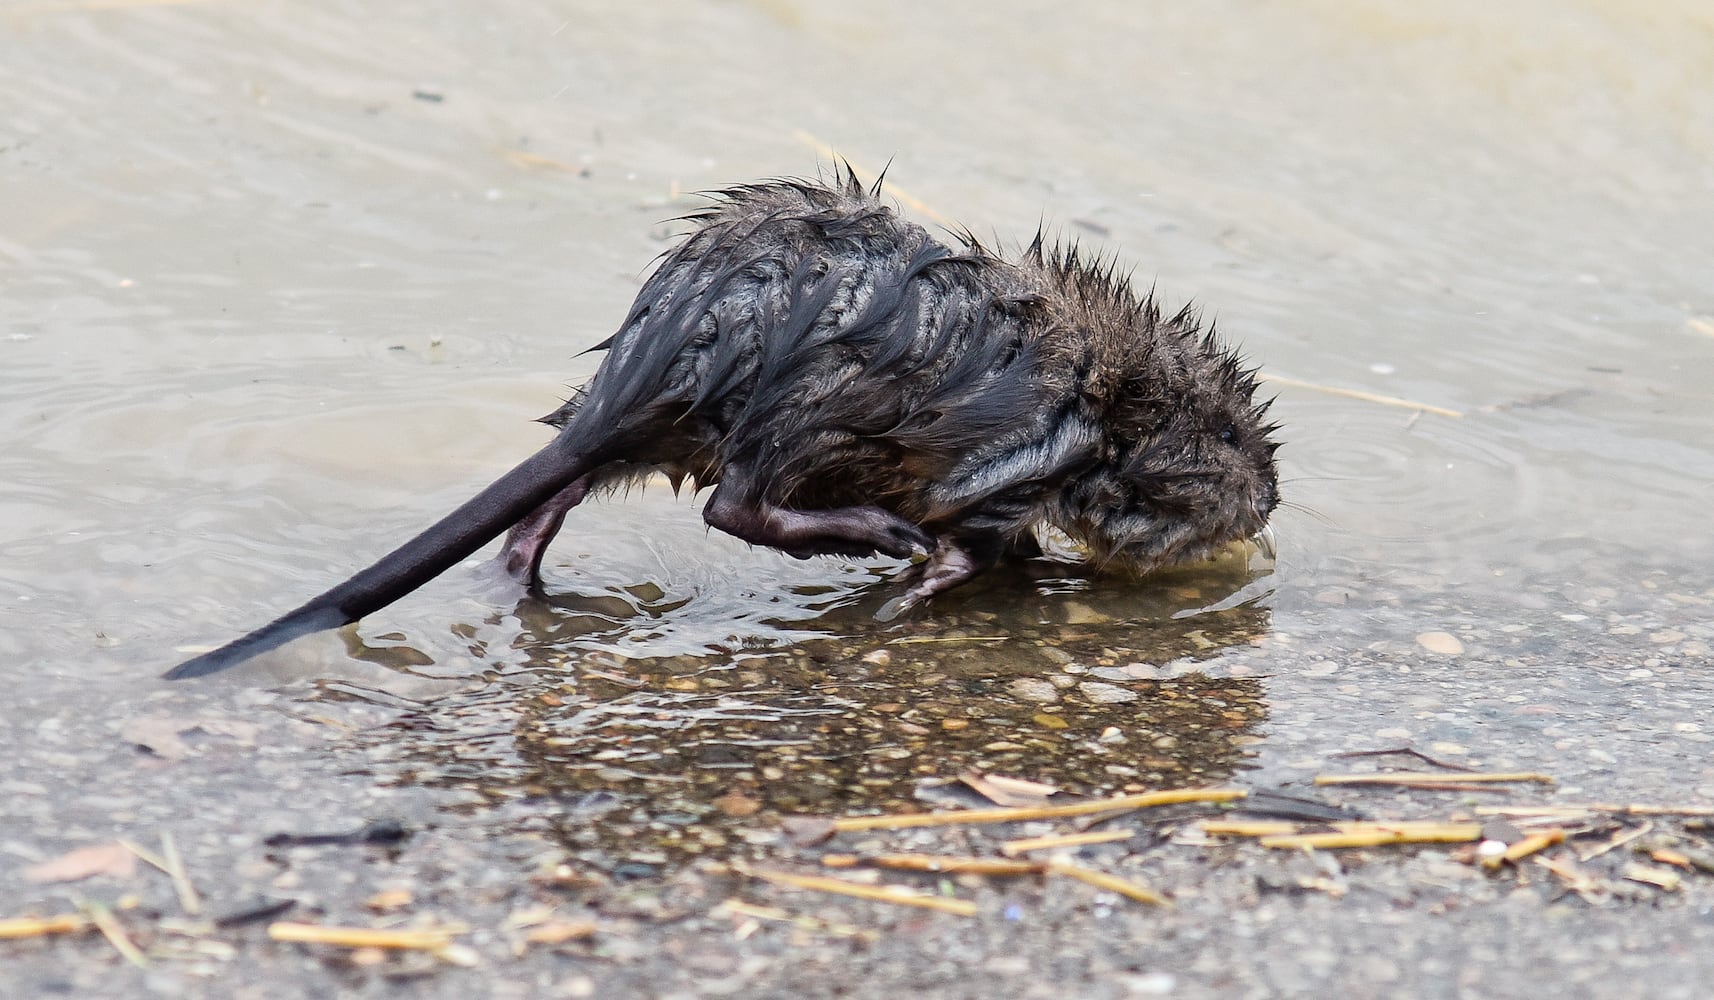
x=644, y=760
x=719, y=597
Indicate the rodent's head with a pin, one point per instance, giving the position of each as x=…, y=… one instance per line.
x=1189, y=464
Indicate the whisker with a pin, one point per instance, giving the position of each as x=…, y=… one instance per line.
x=1310, y=511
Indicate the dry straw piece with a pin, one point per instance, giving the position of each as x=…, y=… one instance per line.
x=429, y=939
x=901, y=895
x=1122, y=803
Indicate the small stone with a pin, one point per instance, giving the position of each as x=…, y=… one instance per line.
x=737, y=804
x=1106, y=694
x=1152, y=984
x=1033, y=689
x=1444, y=643
x=389, y=899
x=1078, y=613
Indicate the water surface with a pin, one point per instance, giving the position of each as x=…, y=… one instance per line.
x=284, y=283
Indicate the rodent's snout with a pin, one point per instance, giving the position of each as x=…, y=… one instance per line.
x=1267, y=499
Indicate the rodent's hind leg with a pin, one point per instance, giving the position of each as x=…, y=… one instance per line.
x=835, y=531
x=528, y=540
x=949, y=565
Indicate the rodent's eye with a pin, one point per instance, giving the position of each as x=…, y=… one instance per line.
x=1229, y=434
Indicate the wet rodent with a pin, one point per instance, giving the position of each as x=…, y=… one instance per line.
x=849, y=385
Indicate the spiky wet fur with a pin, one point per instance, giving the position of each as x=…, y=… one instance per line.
x=808, y=340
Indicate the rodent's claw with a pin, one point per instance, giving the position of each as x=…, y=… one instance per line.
x=949, y=565
x=895, y=607
x=909, y=541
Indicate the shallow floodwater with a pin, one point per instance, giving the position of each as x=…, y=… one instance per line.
x=280, y=284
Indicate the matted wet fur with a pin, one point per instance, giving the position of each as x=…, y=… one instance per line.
x=849, y=385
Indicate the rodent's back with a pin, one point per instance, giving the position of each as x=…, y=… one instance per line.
x=811, y=332
x=808, y=337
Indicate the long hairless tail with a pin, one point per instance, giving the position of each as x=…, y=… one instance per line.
x=452, y=539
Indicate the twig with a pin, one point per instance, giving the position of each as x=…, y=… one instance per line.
x=23, y=927
x=114, y=932
x=1013, y=848
x=1409, y=752
x=430, y=939
x=936, y=863
x=1367, y=397
x=1378, y=834
x=1618, y=840
x=1248, y=828
x=173, y=867
x=1575, y=879
x=1595, y=807
x=188, y=898
x=1425, y=779
x=1112, y=883
x=525, y=158
x=561, y=931
x=1123, y=803
x=147, y=856
x=1348, y=833
x=1669, y=881
x=738, y=907
x=1535, y=843
x=901, y=895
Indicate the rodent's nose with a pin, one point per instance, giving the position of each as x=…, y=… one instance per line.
x=1267, y=499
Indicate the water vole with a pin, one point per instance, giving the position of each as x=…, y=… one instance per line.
x=849, y=385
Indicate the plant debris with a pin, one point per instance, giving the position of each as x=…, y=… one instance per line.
x=25, y=927
x=936, y=863
x=1119, y=804
x=111, y=858
x=900, y=894
x=1429, y=779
